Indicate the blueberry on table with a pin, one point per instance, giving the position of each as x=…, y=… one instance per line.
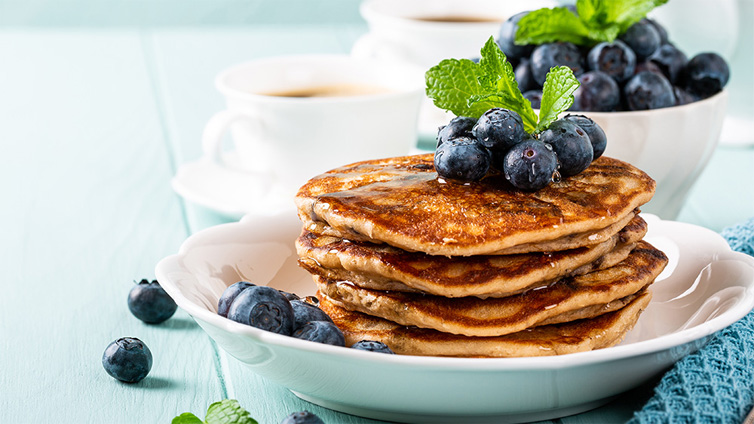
x=264, y=308
x=150, y=303
x=457, y=127
x=598, y=92
x=507, y=36
x=462, y=159
x=303, y=417
x=530, y=165
x=643, y=38
x=705, y=74
x=127, y=359
x=648, y=90
x=372, y=346
x=615, y=59
x=596, y=134
x=321, y=332
x=546, y=56
x=571, y=144
x=305, y=312
x=229, y=295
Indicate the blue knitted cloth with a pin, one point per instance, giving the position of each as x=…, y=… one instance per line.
x=715, y=384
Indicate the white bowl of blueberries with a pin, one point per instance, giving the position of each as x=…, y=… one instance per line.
x=661, y=110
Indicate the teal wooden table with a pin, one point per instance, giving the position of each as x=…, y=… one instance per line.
x=94, y=122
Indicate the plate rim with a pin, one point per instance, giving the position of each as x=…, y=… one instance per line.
x=557, y=362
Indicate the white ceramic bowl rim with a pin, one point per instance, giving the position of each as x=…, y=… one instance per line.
x=654, y=112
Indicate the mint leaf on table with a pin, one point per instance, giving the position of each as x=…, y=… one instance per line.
x=227, y=411
x=187, y=418
x=557, y=95
x=597, y=21
x=470, y=89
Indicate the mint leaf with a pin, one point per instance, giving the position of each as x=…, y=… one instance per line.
x=228, y=411
x=187, y=418
x=557, y=95
x=470, y=89
x=597, y=21
x=451, y=84
x=550, y=25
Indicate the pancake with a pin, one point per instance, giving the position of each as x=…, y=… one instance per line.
x=401, y=201
x=472, y=316
x=576, y=336
x=383, y=267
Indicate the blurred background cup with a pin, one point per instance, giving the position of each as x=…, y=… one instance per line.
x=424, y=32
x=293, y=117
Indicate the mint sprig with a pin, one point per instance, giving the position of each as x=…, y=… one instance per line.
x=470, y=89
x=227, y=411
x=597, y=21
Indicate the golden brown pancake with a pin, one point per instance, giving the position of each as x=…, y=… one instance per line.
x=383, y=267
x=557, y=339
x=568, y=299
x=401, y=202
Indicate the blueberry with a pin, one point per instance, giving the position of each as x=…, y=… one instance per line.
x=321, y=332
x=595, y=133
x=150, y=303
x=534, y=97
x=229, y=295
x=705, y=74
x=648, y=90
x=263, y=307
x=682, y=97
x=643, y=38
x=127, y=359
x=530, y=165
x=571, y=144
x=499, y=129
x=524, y=77
x=372, y=346
x=660, y=30
x=457, y=127
x=647, y=65
x=548, y=55
x=598, y=92
x=462, y=159
x=615, y=59
x=290, y=296
x=670, y=61
x=507, y=36
x=303, y=417
x=304, y=312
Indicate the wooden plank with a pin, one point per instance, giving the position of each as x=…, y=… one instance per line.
x=84, y=173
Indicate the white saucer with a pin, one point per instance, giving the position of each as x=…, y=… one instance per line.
x=229, y=190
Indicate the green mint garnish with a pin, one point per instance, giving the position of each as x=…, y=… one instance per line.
x=597, y=21
x=557, y=95
x=227, y=411
x=470, y=89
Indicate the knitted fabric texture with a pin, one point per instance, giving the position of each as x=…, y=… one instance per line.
x=715, y=384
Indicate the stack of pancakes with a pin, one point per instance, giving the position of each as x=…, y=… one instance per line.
x=431, y=267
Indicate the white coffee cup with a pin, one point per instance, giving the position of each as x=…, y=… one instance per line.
x=358, y=109
x=424, y=32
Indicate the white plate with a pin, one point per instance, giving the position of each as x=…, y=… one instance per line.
x=704, y=288
x=229, y=190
